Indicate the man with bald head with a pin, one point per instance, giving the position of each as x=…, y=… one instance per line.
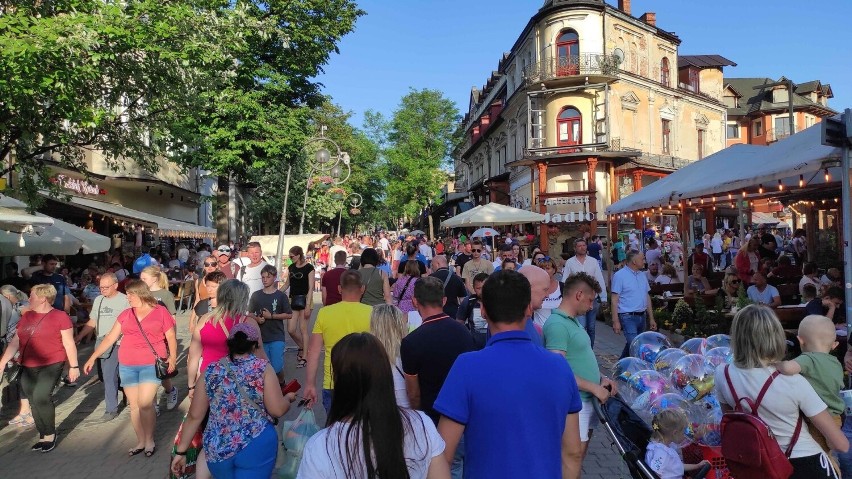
x=454, y=289
x=539, y=289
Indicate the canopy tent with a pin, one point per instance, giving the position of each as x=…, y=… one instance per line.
x=758, y=218
x=494, y=214
x=799, y=157
x=456, y=220
x=46, y=235
x=269, y=243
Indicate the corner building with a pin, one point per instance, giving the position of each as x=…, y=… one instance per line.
x=590, y=104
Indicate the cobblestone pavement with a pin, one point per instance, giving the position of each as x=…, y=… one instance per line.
x=88, y=449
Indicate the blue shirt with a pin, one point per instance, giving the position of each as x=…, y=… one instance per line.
x=512, y=397
x=529, y=328
x=765, y=297
x=632, y=289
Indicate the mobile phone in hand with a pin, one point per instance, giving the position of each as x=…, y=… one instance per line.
x=291, y=387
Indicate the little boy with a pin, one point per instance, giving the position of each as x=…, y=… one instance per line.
x=822, y=370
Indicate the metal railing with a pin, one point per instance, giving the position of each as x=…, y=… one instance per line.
x=568, y=66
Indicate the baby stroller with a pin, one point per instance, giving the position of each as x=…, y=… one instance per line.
x=630, y=435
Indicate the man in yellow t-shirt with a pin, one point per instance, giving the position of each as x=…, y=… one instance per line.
x=333, y=323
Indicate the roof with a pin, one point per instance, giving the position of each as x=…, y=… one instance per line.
x=703, y=61
x=755, y=101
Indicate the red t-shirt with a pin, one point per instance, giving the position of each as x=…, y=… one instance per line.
x=134, y=350
x=41, y=343
x=330, y=281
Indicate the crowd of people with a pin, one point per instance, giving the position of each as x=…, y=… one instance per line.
x=428, y=349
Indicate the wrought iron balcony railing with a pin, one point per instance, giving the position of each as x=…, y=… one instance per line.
x=568, y=66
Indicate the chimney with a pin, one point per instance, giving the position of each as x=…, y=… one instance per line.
x=650, y=18
x=624, y=6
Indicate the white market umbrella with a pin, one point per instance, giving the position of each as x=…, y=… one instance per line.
x=456, y=220
x=494, y=214
x=485, y=233
x=417, y=233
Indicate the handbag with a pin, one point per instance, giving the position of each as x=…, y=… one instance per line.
x=402, y=294
x=299, y=302
x=161, y=366
x=15, y=375
x=244, y=394
x=100, y=339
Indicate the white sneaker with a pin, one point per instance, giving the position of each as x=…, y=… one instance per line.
x=172, y=398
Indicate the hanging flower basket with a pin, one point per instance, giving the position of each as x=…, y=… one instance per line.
x=322, y=183
x=336, y=193
x=355, y=211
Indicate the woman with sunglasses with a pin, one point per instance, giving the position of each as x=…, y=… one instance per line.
x=209, y=265
x=730, y=289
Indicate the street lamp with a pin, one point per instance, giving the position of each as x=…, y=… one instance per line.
x=325, y=161
x=356, y=201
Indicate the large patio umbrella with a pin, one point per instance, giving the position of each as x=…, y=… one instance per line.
x=456, y=221
x=494, y=214
x=41, y=234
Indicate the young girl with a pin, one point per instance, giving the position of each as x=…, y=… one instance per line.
x=662, y=456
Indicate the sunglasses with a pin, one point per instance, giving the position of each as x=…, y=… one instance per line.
x=476, y=251
x=736, y=281
x=209, y=264
x=543, y=259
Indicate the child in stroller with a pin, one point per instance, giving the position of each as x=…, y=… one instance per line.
x=661, y=454
x=631, y=436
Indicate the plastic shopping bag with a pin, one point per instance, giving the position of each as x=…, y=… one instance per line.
x=296, y=434
x=191, y=453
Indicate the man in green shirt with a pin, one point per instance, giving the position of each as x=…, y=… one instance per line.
x=564, y=335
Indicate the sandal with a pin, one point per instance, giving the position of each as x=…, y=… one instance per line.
x=149, y=453
x=22, y=420
x=300, y=359
x=134, y=452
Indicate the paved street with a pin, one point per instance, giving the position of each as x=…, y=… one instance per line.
x=90, y=450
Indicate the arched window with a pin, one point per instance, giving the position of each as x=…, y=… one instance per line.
x=567, y=53
x=664, y=72
x=569, y=127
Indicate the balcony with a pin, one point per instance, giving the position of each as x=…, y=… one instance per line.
x=587, y=64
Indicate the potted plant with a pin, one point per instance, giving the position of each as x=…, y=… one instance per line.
x=323, y=183
x=682, y=317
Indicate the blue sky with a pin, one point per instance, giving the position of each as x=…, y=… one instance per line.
x=454, y=45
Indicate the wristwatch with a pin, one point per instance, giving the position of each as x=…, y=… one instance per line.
x=178, y=453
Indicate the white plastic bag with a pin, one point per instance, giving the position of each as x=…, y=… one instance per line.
x=296, y=434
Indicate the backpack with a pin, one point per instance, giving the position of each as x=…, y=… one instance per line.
x=748, y=445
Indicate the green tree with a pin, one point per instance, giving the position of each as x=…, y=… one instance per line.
x=418, y=140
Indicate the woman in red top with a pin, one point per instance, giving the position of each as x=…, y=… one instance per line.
x=143, y=326
x=45, y=338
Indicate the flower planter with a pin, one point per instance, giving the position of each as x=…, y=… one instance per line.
x=336, y=196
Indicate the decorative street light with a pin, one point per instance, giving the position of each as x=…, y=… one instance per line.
x=324, y=161
x=355, y=202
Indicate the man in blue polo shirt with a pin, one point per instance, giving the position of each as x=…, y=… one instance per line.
x=631, y=303
x=565, y=335
x=515, y=403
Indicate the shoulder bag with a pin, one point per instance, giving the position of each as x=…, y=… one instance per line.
x=101, y=334
x=404, y=289
x=161, y=365
x=226, y=362
x=16, y=374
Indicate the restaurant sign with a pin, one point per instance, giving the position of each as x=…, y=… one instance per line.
x=566, y=200
x=77, y=185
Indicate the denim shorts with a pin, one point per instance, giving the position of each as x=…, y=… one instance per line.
x=134, y=375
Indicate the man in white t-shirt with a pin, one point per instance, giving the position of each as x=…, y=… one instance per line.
x=182, y=254
x=105, y=310
x=337, y=246
x=425, y=250
x=384, y=244
x=250, y=273
x=581, y=262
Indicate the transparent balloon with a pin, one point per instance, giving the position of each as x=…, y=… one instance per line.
x=666, y=360
x=671, y=401
x=692, y=375
x=648, y=344
x=649, y=384
x=718, y=341
x=626, y=367
x=718, y=356
x=694, y=346
x=706, y=418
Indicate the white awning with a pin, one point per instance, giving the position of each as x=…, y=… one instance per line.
x=15, y=218
x=164, y=226
x=741, y=167
x=46, y=235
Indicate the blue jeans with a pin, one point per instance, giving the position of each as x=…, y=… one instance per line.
x=632, y=325
x=457, y=467
x=845, y=459
x=275, y=352
x=326, y=399
x=588, y=321
x=255, y=460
